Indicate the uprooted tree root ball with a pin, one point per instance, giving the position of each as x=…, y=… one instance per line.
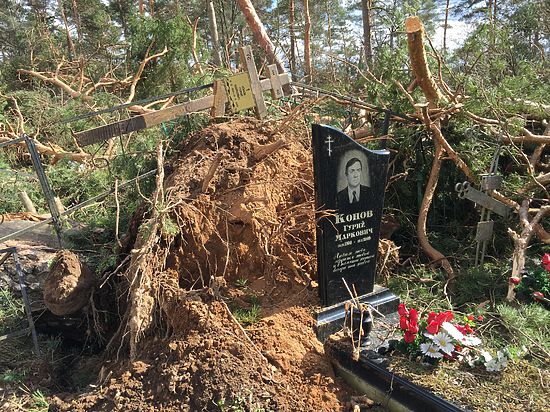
x=231, y=229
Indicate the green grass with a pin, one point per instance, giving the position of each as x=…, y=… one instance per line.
x=11, y=310
x=526, y=329
x=39, y=402
x=241, y=283
x=12, y=376
x=248, y=316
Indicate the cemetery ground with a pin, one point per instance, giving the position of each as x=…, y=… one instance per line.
x=209, y=302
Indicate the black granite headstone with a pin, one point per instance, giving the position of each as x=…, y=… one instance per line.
x=349, y=192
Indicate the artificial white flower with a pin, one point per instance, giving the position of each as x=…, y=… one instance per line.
x=492, y=366
x=452, y=330
x=503, y=355
x=443, y=341
x=470, y=341
x=502, y=358
x=431, y=350
x=495, y=366
x=487, y=357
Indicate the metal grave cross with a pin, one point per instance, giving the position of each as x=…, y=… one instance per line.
x=489, y=182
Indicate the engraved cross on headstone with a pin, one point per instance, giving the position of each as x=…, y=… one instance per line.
x=329, y=141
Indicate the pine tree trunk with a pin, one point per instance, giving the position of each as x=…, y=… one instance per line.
x=329, y=40
x=141, y=8
x=76, y=17
x=445, y=25
x=292, y=59
x=367, y=26
x=216, y=55
x=260, y=34
x=70, y=44
x=307, y=43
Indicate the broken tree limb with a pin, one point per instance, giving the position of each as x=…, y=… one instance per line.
x=56, y=82
x=260, y=34
x=211, y=172
x=435, y=255
x=436, y=133
x=522, y=239
x=540, y=180
x=50, y=150
x=261, y=152
x=542, y=234
x=480, y=119
x=197, y=65
x=417, y=54
x=142, y=65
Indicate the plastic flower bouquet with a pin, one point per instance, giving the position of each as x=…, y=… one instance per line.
x=441, y=337
x=534, y=285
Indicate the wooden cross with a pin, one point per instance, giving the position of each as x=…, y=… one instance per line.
x=215, y=102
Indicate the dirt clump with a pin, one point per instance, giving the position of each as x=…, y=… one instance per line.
x=218, y=296
x=69, y=284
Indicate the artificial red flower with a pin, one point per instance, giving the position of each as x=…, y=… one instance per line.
x=413, y=327
x=470, y=317
x=480, y=318
x=403, y=323
x=546, y=259
x=458, y=348
x=468, y=329
x=444, y=317
x=409, y=337
x=538, y=295
x=431, y=317
x=433, y=327
x=514, y=280
x=402, y=310
x=413, y=315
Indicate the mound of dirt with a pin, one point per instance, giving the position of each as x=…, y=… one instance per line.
x=219, y=302
x=211, y=364
x=69, y=284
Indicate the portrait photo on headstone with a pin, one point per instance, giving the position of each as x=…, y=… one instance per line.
x=354, y=190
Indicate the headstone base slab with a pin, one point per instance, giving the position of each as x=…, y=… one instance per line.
x=331, y=318
x=370, y=376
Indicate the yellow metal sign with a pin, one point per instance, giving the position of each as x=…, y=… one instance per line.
x=239, y=92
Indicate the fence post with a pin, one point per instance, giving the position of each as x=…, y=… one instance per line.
x=48, y=193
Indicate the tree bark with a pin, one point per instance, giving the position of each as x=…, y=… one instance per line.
x=423, y=77
x=260, y=34
x=292, y=60
x=445, y=25
x=417, y=53
x=329, y=41
x=216, y=55
x=197, y=66
x=70, y=44
x=76, y=17
x=521, y=240
x=307, y=43
x=367, y=28
x=435, y=255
